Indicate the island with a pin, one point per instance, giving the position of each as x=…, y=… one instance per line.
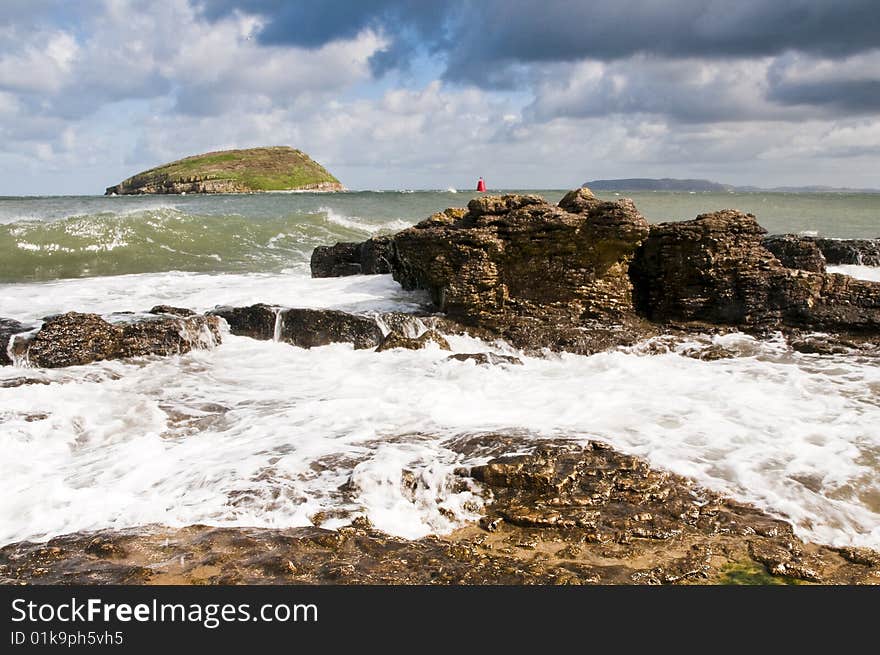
x=275, y=168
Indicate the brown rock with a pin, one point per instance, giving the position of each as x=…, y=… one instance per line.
x=372, y=257
x=865, y=252
x=563, y=514
x=527, y=270
x=308, y=328
x=397, y=340
x=796, y=252
x=715, y=269
x=73, y=338
x=256, y=321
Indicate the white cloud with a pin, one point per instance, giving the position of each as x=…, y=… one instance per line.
x=139, y=83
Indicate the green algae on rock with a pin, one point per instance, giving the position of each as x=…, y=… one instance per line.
x=276, y=168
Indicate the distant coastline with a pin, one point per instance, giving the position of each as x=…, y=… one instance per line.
x=677, y=184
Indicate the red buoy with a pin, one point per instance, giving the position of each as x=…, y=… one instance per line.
x=481, y=186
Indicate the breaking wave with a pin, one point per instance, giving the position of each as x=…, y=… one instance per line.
x=165, y=238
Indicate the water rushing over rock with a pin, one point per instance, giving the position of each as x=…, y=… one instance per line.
x=76, y=338
x=258, y=433
x=560, y=515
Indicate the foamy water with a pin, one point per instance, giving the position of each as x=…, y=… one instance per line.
x=199, y=291
x=262, y=433
x=862, y=272
x=266, y=434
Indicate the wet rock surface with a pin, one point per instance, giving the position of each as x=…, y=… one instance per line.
x=564, y=514
x=173, y=311
x=486, y=359
x=8, y=329
x=254, y=321
x=865, y=252
x=395, y=339
x=75, y=338
x=306, y=328
x=798, y=252
x=370, y=257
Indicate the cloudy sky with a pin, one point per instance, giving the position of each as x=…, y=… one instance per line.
x=428, y=94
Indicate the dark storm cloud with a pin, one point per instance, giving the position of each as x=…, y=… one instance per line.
x=411, y=24
x=849, y=96
x=480, y=37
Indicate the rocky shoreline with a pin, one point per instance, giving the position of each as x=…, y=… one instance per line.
x=563, y=514
x=582, y=276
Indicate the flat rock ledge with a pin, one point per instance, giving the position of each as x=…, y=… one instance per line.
x=564, y=514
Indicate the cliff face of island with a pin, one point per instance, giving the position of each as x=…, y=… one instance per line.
x=277, y=168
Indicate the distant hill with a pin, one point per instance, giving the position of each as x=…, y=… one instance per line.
x=651, y=184
x=276, y=168
x=673, y=184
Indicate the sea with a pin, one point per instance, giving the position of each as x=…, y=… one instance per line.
x=259, y=433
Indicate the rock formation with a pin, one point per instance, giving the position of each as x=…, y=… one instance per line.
x=798, y=252
x=587, y=274
x=306, y=328
x=371, y=257
x=533, y=273
x=715, y=269
x=849, y=251
x=563, y=514
x=74, y=338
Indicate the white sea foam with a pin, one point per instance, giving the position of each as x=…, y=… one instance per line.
x=362, y=225
x=102, y=295
x=859, y=271
x=263, y=433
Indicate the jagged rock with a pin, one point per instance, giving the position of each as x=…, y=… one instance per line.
x=715, y=269
x=370, y=257
x=865, y=252
x=796, y=252
x=589, y=275
x=74, y=338
x=395, y=339
x=8, y=329
x=306, y=328
x=839, y=303
x=483, y=359
x=529, y=271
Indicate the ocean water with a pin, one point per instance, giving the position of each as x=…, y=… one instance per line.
x=266, y=434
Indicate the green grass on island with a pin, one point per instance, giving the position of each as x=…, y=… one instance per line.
x=276, y=168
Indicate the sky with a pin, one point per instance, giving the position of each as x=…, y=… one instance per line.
x=432, y=93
